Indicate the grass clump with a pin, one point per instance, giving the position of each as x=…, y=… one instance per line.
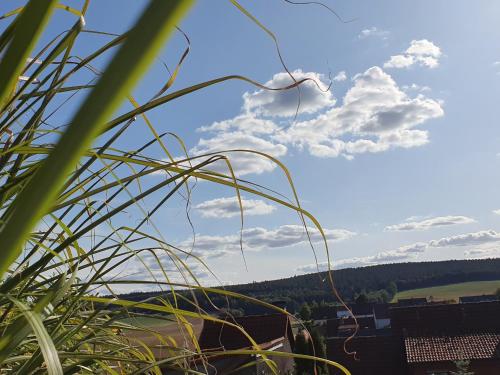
x=66, y=190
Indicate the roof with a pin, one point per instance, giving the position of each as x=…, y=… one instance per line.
x=381, y=310
x=412, y=301
x=363, y=322
x=362, y=309
x=264, y=329
x=483, y=298
x=452, y=348
x=375, y=355
x=446, y=319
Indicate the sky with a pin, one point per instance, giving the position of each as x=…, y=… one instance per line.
x=395, y=148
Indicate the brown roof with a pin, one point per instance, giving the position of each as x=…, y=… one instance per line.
x=452, y=348
x=375, y=355
x=446, y=320
x=264, y=329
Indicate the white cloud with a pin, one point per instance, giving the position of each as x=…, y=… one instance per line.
x=486, y=240
x=257, y=239
x=400, y=254
x=284, y=103
x=375, y=115
x=479, y=253
x=341, y=76
x=242, y=162
x=230, y=207
x=399, y=61
x=468, y=239
x=496, y=212
x=373, y=32
x=246, y=123
x=434, y=222
x=496, y=66
x=422, y=52
x=415, y=87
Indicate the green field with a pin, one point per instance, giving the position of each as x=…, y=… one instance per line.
x=452, y=291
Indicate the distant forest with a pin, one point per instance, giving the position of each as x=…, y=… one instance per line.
x=367, y=284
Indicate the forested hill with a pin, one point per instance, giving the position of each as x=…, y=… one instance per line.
x=351, y=281
x=378, y=283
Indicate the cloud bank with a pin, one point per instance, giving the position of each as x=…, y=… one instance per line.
x=230, y=207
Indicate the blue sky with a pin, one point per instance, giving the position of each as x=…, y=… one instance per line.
x=399, y=161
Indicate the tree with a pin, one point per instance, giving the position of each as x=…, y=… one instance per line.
x=392, y=288
x=319, y=351
x=462, y=368
x=362, y=298
x=301, y=347
x=312, y=344
x=305, y=312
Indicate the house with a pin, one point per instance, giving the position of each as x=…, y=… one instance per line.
x=438, y=354
x=271, y=332
x=482, y=298
x=375, y=354
x=378, y=312
x=382, y=316
x=436, y=336
x=423, y=339
x=412, y=301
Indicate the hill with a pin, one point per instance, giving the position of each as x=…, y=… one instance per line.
x=380, y=282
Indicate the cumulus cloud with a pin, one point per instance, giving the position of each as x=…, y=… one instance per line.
x=496, y=212
x=479, y=253
x=400, y=61
x=434, y=222
x=284, y=103
x=257, y=239
x=340, y=76
x=245, y=123
x=415, y=87
x=487, y=242
x=230, y=207
x=373, y=32
x=467, y=239
x=422, y=52
x=242, y=162
x=375, y=115
x=400, y=254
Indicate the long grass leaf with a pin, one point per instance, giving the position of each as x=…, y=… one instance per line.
x=147, y=37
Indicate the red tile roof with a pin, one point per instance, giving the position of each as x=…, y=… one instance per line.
x=264, y=329
x=452, y=348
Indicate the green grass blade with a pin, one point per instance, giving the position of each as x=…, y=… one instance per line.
x=125, y=69
x=28, y=28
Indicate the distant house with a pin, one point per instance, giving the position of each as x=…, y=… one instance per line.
x=437, y=354
x=378, y=312
x=482, y=298
x=412, y=301
x=382, y=316
x=271, y=332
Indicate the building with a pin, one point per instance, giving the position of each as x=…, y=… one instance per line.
x=271, y=332
x=482, y=298
x=438, y=354
x=419, y=301
x=423, y=339
x=436, y=336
